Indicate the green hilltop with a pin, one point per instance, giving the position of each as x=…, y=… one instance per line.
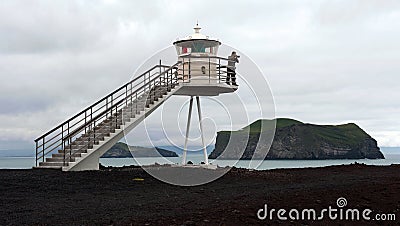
x=255, y=127
x=348, y=133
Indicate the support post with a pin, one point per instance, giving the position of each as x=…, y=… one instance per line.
x=36, y=159
x=187, y=130
x=201, y=130
x=160, y=68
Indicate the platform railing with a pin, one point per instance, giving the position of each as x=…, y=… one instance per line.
x=215, y=68
x=108, y=107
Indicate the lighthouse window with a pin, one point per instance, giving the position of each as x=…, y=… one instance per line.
x=199, y=47
x=183, y=50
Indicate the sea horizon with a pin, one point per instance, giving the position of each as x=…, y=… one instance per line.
x=392, y=156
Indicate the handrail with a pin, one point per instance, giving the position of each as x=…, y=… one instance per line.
x=212, y=57
x=116, y=105
x=83, y=120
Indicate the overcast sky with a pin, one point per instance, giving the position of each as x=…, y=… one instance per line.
x=327, y=62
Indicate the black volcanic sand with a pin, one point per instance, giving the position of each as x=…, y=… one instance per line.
x=111, y=196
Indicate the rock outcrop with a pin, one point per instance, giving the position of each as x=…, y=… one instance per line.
x=297, y=140
x=122, y=150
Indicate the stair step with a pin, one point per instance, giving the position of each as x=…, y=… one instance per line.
x=85, y=139
x=77, y=147
x=130, y=111
x=48, y=167
x=81, y=144
x=138, y=104
x=60, y=159
x=97, y=133
x=105, y=132
x=111, y=121
x=72, y=151
x=90, y=136
x=102, y=128
x=111, y=126
x=82, y=149
x=73, y=155
x=59, y=164
x=75, y=150
x=124, y=115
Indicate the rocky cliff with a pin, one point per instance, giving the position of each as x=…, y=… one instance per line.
x=296, y=140
x=122, y=150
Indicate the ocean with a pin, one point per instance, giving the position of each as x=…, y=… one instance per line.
x=29, y=162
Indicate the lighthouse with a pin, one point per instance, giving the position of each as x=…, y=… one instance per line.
x=201, y=73
x=77, y=143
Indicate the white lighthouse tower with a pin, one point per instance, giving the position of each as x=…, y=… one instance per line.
x=78, y=142
x=201, y=73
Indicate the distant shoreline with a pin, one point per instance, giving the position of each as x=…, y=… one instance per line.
x=30, y=153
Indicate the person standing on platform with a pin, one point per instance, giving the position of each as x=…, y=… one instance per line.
x=232, y=60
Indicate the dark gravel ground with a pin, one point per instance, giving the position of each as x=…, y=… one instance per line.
x=112, y=197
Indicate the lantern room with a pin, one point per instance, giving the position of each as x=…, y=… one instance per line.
x=202, y=72
x=198, y=44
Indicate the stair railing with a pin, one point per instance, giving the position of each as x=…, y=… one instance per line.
x=86, y=121
x=165, y=79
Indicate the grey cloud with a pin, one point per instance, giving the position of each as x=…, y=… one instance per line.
x=326, y=61
x=23, y=105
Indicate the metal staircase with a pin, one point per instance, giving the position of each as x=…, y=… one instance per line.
x=78, y=143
